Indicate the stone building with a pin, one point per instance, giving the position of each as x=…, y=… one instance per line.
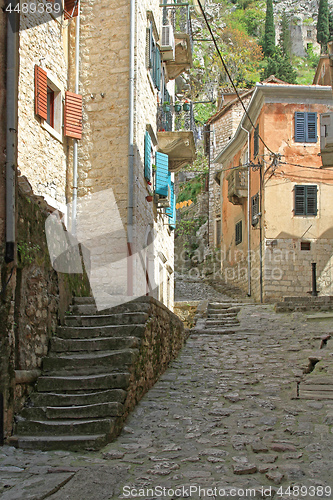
x=96, y=146
x=275, y=209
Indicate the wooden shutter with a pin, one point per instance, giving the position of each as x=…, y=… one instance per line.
x=162, y=174
x=158, y=69
x=239, y=235
x=70, y=8
x=300, y=200
x=73, y=115
x=149, y=46
x=40, y=92
x=311, y=127
x=171, y=211
x=147, y=156
x=311, y=200
x=299, y=126
x=255, y=209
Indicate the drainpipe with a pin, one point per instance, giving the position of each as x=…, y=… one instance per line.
x=131, y=151
x=260, y=230
x=248, y=216
x=11, y=132
x=75, y=152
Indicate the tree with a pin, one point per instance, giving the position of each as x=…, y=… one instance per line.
x=285, y=39
x=280, y=66
x=269, y=36
x=330, y=25
x=323, y=32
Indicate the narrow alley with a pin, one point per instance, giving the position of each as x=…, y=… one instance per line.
x=223, y=421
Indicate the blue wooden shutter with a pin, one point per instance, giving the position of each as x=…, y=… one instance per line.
x=172, y=220
x=299, y=126
x=162, y=174
x=311, y=127
x=147, y=156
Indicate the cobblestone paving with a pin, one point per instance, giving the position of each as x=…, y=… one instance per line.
x=223, y=416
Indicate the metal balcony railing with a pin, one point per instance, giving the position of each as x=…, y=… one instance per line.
x=179, y=16
x=172, y=121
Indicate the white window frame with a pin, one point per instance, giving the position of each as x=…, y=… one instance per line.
x=57, y=130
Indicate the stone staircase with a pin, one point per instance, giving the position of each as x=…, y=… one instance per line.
x=80, y=398
x=221, y=317
x=306, y=303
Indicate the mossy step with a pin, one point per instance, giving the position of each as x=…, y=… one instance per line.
x=64, y=427
x=99, y=410
x=73, y=399
x=89, y=332
x=130, y=318
x=94, y=344
x=60, y=442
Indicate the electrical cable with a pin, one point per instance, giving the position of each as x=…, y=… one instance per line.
x=229, y=76
x=2, y=292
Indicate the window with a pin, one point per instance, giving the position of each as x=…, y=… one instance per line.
x=70, y=8
x=148, y=157
x=238, y=230
x=255, y=209
x=305, y=245
x=218, y=232
x=305, y=200
x=49, y=106
x=305, y=127
x=256, y=141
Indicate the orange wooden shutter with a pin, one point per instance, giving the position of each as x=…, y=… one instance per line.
x=70, y=8
x=73, y=115
x=40, y=92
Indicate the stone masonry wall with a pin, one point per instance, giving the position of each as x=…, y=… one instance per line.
x=288, y=269
x=41, y=156
x=103, y=151
x=163, y=338
x=222, y=129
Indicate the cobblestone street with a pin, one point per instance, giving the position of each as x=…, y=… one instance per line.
x=224, y=415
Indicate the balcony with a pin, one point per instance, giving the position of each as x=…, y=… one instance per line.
x=177, y=136
x=178, y=16
x=237, y=185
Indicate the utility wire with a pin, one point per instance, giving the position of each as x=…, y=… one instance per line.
x=229, y=76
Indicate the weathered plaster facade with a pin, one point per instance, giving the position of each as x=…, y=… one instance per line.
x=276, y=238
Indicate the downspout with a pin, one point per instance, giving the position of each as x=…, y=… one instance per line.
x=11, y=132
x=131, y=152
x=75, y=152
x=260, y=229
x=248, y=216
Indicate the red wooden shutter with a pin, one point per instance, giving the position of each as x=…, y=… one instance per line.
x=70, y=8
x=73, y=115
x=40, y=92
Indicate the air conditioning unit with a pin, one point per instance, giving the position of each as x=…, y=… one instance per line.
x=167, y=43
x=326, y=139
x=164, y=201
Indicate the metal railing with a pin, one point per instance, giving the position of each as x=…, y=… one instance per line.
x=171, y=121
x=179, y=16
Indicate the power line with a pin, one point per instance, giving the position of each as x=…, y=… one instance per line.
x=229, y=76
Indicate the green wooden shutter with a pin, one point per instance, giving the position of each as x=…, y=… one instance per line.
x=311, y=200
x=300, y=126
x=147, y=156
x=158, y=69
x=311, y=127
x=162, y=174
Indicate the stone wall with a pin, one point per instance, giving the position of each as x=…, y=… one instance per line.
x=41, y=156
x=163, y=338
x=103, y=151
x=32, y=306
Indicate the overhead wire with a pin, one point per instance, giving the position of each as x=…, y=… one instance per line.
x=229, y=76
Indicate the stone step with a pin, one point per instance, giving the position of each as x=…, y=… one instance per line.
x=94, y=344
x=73, y=412
x=127, y=307
x=213, y=331
x=212, y=322
x=222, y=316
x=95, y=361
x=84, y=300
x=63, y=442
x=107, y=319
x=83, y=382
x=89, y=332
x=64, y=427
x=77, y=399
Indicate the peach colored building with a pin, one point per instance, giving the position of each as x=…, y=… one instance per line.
x=276, y=210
